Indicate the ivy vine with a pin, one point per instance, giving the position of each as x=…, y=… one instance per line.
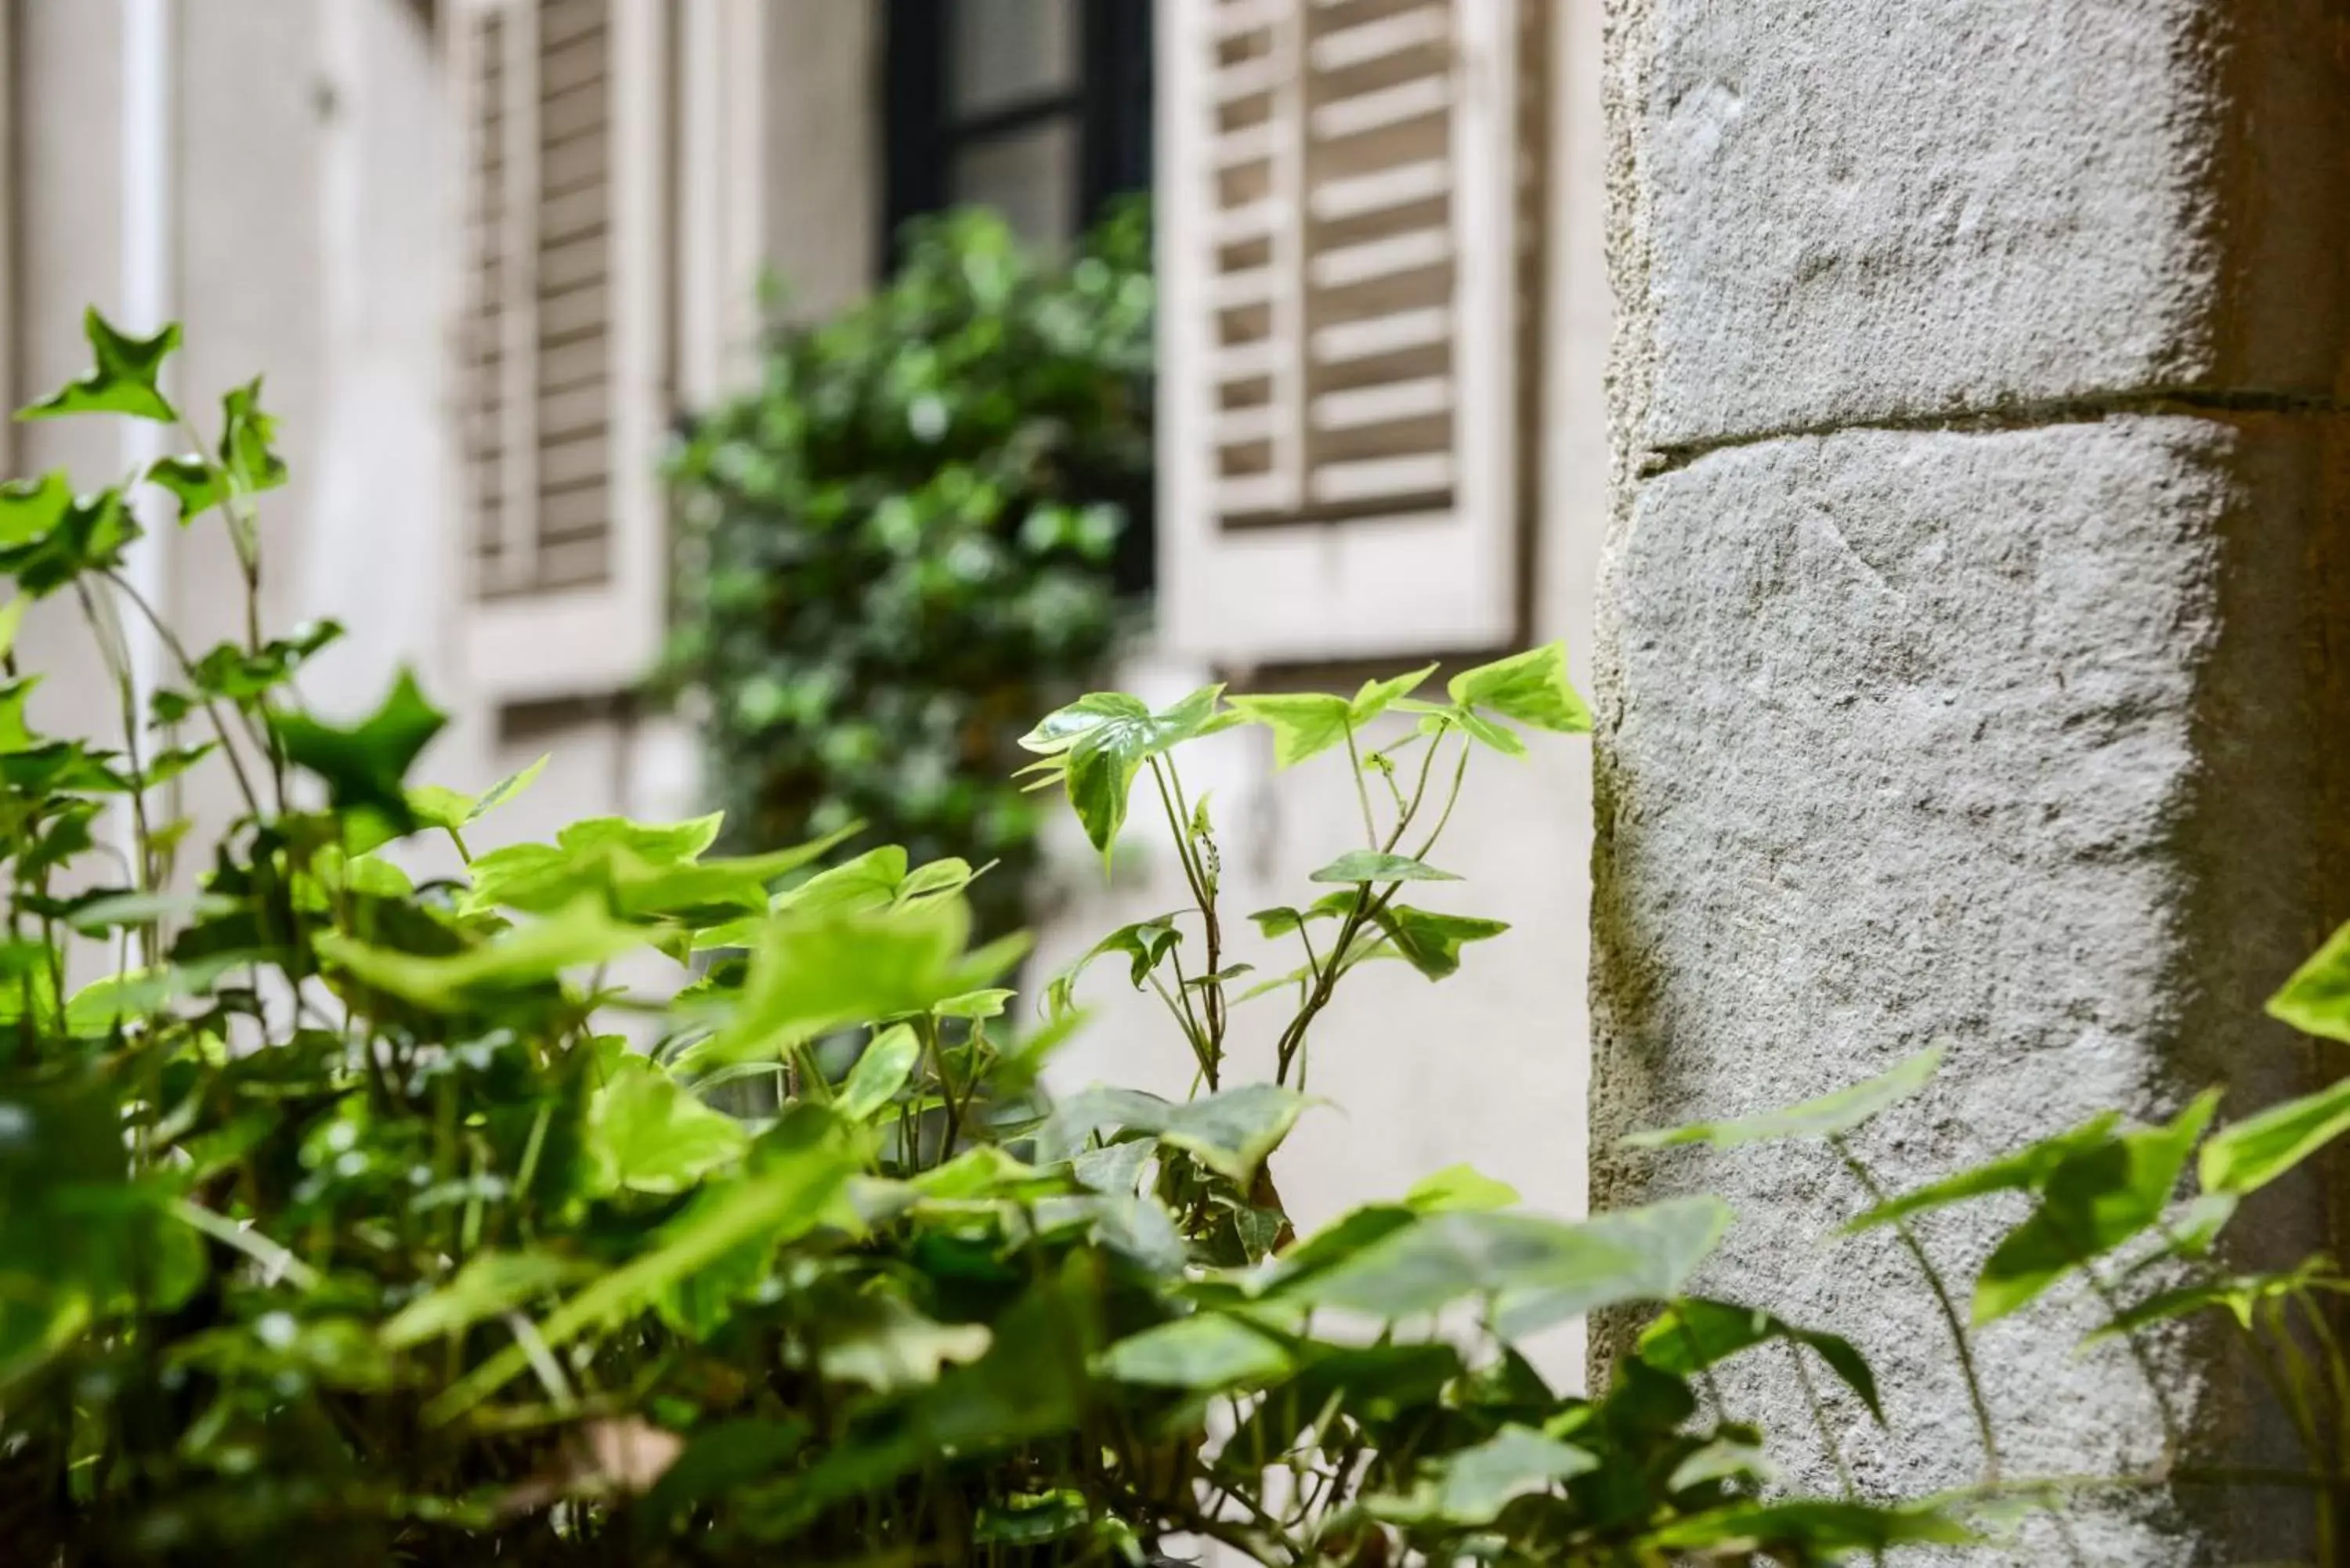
x=911, y=537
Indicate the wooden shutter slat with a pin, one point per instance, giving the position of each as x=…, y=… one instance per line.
x=1389, y=404
x=1377, y=336
x=1421, y=98
x=1389, y=256
x=1419, y=474
x=1382, y=190
x=1414, y=34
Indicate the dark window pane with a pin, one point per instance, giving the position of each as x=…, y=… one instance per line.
x=1030, y=176
x=1005, y=51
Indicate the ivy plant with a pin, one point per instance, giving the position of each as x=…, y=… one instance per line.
x=909, y=539
x=352, y=1216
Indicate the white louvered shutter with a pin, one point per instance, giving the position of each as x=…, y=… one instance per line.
x=561, y=374
x=1348, y=214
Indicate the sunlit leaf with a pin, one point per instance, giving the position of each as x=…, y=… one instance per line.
x=2091, y=1202
x=1818, y=1531
x=986, y=1003
x=1104, y=739
x=2316, y=999
x=812, y=973
x=123, y=380
x=2248, y=1155
x=1826, y=1116
x=649, y=1135
x=446, y=808
x=50, y=538
x=1459, y=1186
x=2240, y=1294
x=1530, y=687
x=2026, y=1169
x=882, y=1070
x=1307, y=723
x=530, y=954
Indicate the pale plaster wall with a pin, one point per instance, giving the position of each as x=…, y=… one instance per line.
x=310, y=239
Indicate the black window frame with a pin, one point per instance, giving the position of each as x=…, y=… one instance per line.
x=1110, y=106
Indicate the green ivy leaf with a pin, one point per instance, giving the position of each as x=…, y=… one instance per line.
x=246, y=434
x=2316, y=999
x=2249, y=1155
x=1103, y=740
x=2093, y=1201
x=451, y=812
x=1472, y=1486
x=2026, y=1169
x=1280, y=922
x=882, y=1070
x=1555, y=1271
x=813, y=972
x=1307, y=723
x=364, y=767
x=1431, y=943
x=528, y=955
x=986, y=1002
x=1817, y=1531
x=15, y=732
x=1205, y=1352
x=122, y=381
x=1829, y=1115
x=491, y=1285
x=1695, y=1333
x=1234, y=1131
x=649, y=1135
x=880, y=1340
x=30, y=508
x=2240, y=1294
x=870, y=882
x=1530, y=687
x=87, y=534
x=1459, y=1186
x=1371, y=866
x=1146, y=943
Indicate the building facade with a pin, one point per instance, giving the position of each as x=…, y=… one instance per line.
x=486, y=251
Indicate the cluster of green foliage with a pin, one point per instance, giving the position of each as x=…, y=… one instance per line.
x=899, y=546
x=338, y=1219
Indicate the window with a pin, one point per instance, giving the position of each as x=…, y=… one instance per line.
x=1040, y=108
x=1349, y=208
x=559, y=393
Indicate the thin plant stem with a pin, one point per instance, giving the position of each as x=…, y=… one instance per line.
x=1950, y=1312
x=1362, y=794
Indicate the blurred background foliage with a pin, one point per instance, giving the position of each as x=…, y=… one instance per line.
x=923, y=527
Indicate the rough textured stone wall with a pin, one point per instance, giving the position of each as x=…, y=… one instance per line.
x=1974, y=658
